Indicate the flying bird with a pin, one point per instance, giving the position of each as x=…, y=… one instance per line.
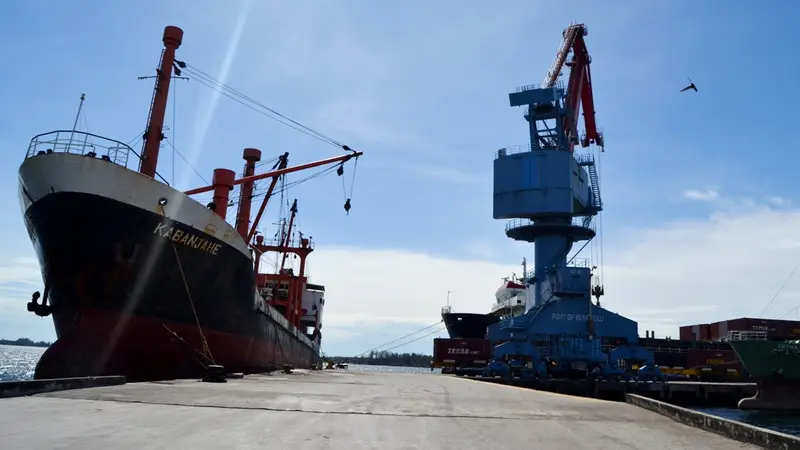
x=690, y=86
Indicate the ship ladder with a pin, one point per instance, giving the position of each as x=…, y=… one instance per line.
x=206, y=350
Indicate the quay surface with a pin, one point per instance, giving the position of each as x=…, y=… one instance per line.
x=337, y=410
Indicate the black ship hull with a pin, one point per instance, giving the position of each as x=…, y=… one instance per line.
x=468, y=325
x=136, y=293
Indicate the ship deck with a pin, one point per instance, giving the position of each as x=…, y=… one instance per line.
x=337, y=410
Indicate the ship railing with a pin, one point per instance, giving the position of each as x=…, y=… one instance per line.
x=513, y=150
x=577, y=221
x=84, y=144
x=584, y=158
x=447, y=309
x=746, y=335
x=579, y=262
x=529, y=87
x=659, y=349
x=80, y=143
x=293, y=243
x=508, y=304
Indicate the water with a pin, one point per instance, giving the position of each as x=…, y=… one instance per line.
x=788, y=423
x=18, y=363
x=395, y=369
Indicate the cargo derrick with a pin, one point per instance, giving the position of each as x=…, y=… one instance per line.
x=552, y=195
x=282, y=290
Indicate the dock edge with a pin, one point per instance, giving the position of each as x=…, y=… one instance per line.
x=10, y=389
x=730, y=428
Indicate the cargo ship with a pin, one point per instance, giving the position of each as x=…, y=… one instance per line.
x=143, y=280
x=509, y=301
x=774, y=365
x=765, y=358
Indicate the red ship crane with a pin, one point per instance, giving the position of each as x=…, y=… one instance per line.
x=225, y=179
x=287, y=233
x=292, y=301
x=289, y=302
x=579, y=86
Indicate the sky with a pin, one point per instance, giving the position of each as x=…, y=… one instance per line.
x=700, y=223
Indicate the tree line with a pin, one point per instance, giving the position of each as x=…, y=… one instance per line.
x=386, y=358
x=25, y=342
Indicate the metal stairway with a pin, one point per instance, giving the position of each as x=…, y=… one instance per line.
x=595, y=186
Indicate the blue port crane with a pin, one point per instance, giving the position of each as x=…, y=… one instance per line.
x=550, y=194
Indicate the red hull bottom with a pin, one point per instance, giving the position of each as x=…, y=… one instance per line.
x=97, y=343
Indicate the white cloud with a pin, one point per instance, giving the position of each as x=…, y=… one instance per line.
x=426, y=169
x=704, y=195
x=361, y=119
x=727, y=265
x=23, y=270
x=778, y=201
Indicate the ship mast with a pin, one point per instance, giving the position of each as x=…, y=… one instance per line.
x=524, y=272
x=153, y=135
x=75, y=125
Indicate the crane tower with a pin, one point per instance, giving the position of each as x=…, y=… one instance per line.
x=550, y=192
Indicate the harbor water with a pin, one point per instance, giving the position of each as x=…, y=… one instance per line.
x=18, y=363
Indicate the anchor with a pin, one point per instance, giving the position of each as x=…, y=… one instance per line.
x=40, y=309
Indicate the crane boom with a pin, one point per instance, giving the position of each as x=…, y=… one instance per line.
x=275, y=173
x=579, y=86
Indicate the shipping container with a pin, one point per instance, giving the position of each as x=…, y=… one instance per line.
x=704, y=358
x=788, y=330
x=699, y=332
x=461, y=352
x=738, y=325
x=714, y=365
x=670, y=357
x=705, y=333
x=775, y=329
x=722, y=329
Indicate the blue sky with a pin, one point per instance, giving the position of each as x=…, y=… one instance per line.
x=700, y=221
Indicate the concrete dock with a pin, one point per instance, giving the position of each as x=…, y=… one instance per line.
x=337, y=410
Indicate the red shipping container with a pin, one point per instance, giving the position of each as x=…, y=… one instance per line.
x=669, y=357
x=713, y=358
x=461, y=352
x=742, y=324
x=788, y=330
x=705, y=332
x=778, y=329
x=722, y=329
x=685, y=333
x=775, y=329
